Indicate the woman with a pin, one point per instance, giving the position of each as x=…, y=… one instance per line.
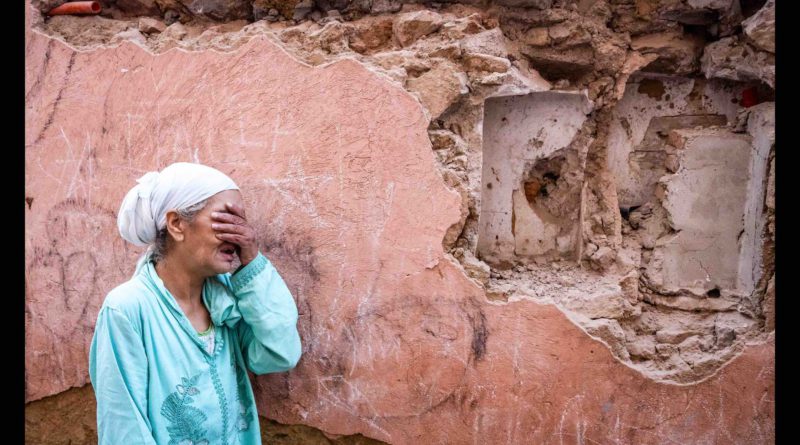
x=171, y=345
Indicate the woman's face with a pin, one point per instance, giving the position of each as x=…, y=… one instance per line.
x=209, y=254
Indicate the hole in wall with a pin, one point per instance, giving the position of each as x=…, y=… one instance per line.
x=750, y=7
x=529, y=209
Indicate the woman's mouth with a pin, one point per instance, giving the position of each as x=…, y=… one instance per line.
x=228, y=251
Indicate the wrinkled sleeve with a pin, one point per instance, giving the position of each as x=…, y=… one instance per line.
x=268, y=332
x=118, y=371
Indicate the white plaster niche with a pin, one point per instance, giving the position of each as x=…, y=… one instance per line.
x=670, y=147
x=532, y=177
x=709, y=202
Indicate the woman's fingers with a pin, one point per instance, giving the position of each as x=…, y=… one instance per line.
x=232, y=223
x=232, y=237
x=227, y=218
x=231, y=228
x=236, y=210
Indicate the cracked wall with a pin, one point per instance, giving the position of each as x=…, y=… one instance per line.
x=368, y=133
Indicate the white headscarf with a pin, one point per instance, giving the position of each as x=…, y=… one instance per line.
x=144, y=210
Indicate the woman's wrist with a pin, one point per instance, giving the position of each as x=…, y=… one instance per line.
x=246, y=258
x=246, y=261
x=246, y=272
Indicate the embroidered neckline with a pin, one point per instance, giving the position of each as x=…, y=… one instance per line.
x=166, y=297
x=207, y=331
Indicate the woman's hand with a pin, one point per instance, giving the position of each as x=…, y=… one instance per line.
x=233, y=228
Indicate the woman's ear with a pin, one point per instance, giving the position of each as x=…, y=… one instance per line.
x=175, y=225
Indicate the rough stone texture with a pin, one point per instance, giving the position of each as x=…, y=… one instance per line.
x=46, y=5
x=760, y=28
x=284, y=7
x=439, y=88
x=149, y=26
x=731, y=58
x=485, y=62
x=219, y=9
x=276, y=433
x=130, y=35
x=768, y=306
x=175, y=31
x=138, y=7
x=372, y=36
x=768, y=303
x=676, y=53
x=697, y=12
x=374, y=201
x=606, y=302
x=413, y=25
x=491, y=42
x=72, y=414
x=537, y=4
x=302, y=9
x=87, y=30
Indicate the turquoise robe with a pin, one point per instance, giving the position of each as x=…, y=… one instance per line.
x=154, y=381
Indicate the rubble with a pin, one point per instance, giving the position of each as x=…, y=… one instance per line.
x=676, y=53
x=760, y=28
x=439, y=87
x=735, y=59
x=411, y=26
x=150, y=26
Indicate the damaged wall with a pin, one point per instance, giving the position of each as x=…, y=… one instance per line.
x=705, y=201
x=527, y=208
x=496, y=217
x=651, y=107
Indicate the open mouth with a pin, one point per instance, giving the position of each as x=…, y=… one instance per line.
x=228, y=251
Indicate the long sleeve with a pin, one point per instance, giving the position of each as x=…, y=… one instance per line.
x=268, y=332
x=118, y=371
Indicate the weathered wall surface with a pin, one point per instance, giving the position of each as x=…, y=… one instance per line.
x=490, y=215
x=333, y=194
